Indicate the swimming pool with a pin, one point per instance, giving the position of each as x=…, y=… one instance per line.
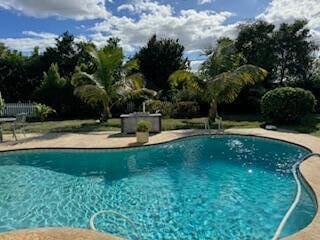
x=220, y=187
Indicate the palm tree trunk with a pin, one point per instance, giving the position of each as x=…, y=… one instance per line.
x=213, y=111
x=106, y=114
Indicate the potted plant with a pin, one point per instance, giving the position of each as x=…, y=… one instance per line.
x=142, y=132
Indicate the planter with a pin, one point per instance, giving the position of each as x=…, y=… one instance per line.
x=142, y=137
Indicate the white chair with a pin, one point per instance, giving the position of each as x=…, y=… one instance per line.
x=19, y=124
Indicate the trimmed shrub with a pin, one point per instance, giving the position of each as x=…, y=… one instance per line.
x=187, y=109
x=43, y=111
x=287, y=104
x=165, y=108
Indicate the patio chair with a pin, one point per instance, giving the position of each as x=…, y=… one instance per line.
x=19, y=124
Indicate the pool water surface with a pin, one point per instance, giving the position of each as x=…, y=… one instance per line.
x=221, y=187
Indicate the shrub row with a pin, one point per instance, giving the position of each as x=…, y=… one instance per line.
x=187, y=109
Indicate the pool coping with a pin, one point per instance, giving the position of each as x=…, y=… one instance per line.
x=56, y=233
x=309, y=169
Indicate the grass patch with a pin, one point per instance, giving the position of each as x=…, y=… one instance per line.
x=68, y=126
x=310, y=124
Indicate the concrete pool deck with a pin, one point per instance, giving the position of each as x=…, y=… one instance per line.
x=56, y=234
x=310, y=168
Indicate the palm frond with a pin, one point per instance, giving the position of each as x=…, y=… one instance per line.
x=92, y=95
x=93, y=52
x=185, y=79
x=136, y=80
x=109, y=60
x=225, y=87
x=132, y=65
x=250, y=74
x=133, y=86
x=82, y=78
x=143, y=93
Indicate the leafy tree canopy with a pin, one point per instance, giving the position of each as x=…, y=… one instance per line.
x=255, y=42
x=159, y=59
x=222, y=58
x=67, y=54
x=294, y=52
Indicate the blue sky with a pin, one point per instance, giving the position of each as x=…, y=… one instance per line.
x=197, y=23
x=15, y=22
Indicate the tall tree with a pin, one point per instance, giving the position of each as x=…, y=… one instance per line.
x=67, y=54
x=255, y=41
x=16, y=82
x=294, y=52
x=159, y=59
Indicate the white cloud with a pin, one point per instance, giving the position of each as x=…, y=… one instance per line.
x=75, y=9
x=201, y=2
x=32, y=39
x=195, y=65
x=147, y=7
x=280, y=11
x=195, y=29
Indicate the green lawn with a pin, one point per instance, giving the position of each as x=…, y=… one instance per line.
x=310, y=125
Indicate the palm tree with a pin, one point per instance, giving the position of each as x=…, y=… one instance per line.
x=222, y=88
x=111, y=82
x=226, y=73
x=98, y=88
x=132, y=86
x=225, y=87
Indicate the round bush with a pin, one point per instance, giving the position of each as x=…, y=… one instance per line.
x=287, y=104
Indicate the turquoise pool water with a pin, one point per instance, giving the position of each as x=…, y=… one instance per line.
x=223, y=187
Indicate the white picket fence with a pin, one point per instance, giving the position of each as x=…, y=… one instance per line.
x=12, y=109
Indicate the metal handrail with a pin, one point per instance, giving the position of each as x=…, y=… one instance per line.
x=220, y=125
x=296, y=199
x=91, y=222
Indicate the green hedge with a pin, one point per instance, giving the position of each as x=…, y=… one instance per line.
x=186, y=109
x=287, y=104
x=183, y=109
x=165, y=108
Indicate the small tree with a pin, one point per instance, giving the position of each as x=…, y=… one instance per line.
x=225, y=87
x=52, y=89
x=52, y=78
